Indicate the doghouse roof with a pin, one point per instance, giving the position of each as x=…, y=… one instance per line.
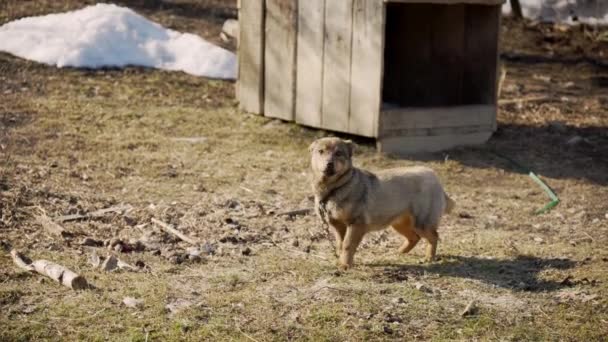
x=451, y=2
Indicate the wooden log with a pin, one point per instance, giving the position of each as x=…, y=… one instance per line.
x=169, y=229
x=52, y=270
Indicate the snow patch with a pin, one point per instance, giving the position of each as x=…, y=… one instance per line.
x=106, y=35
x=593, y=12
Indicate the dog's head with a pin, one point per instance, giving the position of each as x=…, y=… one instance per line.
x=330, y=158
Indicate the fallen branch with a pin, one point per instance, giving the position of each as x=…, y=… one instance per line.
x=95, y=214
x=169, y=229
x=296, y=212
x=51, y=226
x=501, y=80
x=54, y=271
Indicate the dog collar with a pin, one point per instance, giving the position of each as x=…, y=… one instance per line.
x=323, y=201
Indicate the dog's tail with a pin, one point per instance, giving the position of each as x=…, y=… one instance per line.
x=449, y=203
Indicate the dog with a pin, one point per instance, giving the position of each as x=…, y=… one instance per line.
x=355, y=202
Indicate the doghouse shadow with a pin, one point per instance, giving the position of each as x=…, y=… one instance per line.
x=563, y=152
x=520, y=274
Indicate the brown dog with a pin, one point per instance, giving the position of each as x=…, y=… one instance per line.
x=354, y=201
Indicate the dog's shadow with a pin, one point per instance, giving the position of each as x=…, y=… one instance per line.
x=519, y=274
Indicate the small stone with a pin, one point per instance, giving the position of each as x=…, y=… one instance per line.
x=94, y=260
x=131, y=302
x=387, y=330
x=209, y=249
x=246, y=251
x=538, y=239
x=195, y=258
x=178, y=305
x=119, y=247
x=423, y=288
x=112, y=242
x=193, y=251
x=231, y=28
x=398, y=300
x=295, y=242
x=110, y=264
x=91, y=242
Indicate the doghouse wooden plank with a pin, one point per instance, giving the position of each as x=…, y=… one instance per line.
x=336, y=64
x=434, y=117
x=309, y=90
x=431, y=143
x=250, y=85
x=280, y=59
x=481, y=49
x=366, y=67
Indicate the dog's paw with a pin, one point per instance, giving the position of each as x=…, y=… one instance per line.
x=343, y=267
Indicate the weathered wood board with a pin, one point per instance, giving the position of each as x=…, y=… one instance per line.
x=366, y=67
x=434, y=117
x=336, y=65
x=309, y=90
x=250, y=85
x=280, y=59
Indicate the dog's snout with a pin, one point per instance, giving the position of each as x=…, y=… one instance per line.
x=330, y=169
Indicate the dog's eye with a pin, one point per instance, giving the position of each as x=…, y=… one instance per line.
x=339, y=154
x=321, y=151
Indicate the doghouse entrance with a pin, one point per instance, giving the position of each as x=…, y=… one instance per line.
x=440, y=55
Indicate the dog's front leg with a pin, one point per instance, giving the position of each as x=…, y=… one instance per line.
x=339, y=230
x=352, y=239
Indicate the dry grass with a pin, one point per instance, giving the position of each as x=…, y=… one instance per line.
x=73, y=141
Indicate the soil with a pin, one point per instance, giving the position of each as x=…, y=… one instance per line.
x=174, y=147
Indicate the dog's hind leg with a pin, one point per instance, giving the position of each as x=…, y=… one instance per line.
x=405, y=226
x=352, y=239
x=430, y=234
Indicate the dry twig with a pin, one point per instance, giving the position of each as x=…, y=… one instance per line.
x=169, y=229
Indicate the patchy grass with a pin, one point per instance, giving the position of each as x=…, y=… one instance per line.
x=73, y=141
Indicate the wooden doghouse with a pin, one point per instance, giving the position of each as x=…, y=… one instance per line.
x=417, y=75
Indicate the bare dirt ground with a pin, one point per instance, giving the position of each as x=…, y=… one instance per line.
x=175, y=148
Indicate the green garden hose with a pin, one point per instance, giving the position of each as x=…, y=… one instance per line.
x=537, y=180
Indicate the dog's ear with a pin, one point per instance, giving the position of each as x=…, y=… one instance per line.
x=350, y=146
x=312, y=146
